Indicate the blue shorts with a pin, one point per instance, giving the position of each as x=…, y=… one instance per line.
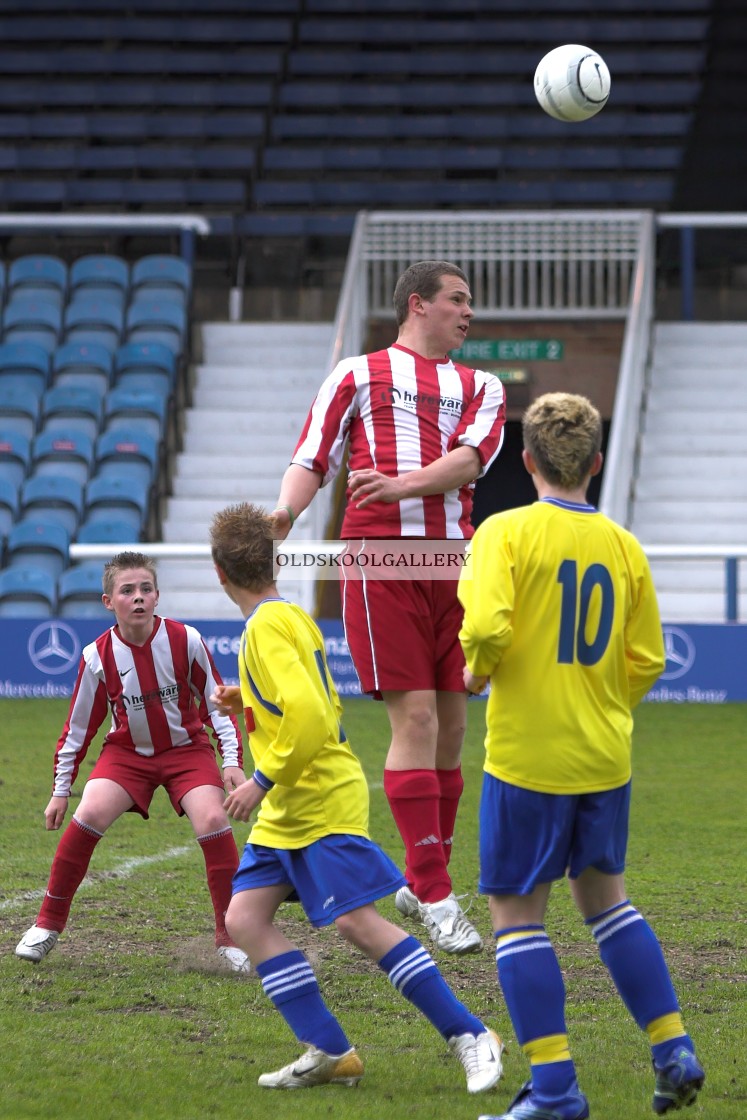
x=528, y=838
x=330, y=877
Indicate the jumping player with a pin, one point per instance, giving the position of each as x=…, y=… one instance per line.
x=420, y=430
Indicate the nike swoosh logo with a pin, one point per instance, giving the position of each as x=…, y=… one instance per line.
x=124, y=672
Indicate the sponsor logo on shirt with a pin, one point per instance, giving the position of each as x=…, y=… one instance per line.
x=426, y=402
x=148, y=699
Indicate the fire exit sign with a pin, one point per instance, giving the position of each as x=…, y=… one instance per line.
x=509, y=350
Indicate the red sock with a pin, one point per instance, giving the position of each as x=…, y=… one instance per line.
x=221, y=861
x=69, y=867
x=450, y=784
x=414, y=800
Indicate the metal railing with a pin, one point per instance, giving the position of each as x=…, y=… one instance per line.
x=545, y=264
x=188, y=226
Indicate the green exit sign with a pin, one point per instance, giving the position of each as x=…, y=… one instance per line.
x=510, y=350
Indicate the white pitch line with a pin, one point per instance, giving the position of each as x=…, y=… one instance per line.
x=122, y=871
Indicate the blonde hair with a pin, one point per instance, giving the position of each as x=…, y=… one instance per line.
x=241, y=542
x=123, y=562
x=563, y=433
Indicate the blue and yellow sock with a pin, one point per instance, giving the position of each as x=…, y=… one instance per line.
x=632, y=954
x=413, y=972
x=288, y=980
x=534, y=991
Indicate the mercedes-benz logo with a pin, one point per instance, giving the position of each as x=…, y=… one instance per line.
x=53, y=648
x=679, y=649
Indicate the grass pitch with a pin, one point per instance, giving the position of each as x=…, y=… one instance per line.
x=132, y=1017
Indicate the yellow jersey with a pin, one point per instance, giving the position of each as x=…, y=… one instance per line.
x=561, y=614
x=297, y=741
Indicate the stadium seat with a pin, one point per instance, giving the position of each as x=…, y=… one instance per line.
x=160, y=277
x=28, y=592
x=158, y=321
x=145, y=365
x=38, y=543
x=116, y=498
x=123, y=407
x=127, y=451
x=19, y=406
x=110, y=525
x=15, y=455
x=8, y=507
x=32, y=320
x=100, y=275
x=27, y=359
x=86, y=364
x=72, y=409
x=79, y=593
x=39, y=277
x=91, y=319
x=62, y=454
x=55, y=499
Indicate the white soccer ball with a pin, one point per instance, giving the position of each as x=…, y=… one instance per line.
x=572, y=83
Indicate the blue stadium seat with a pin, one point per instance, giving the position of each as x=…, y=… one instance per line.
x=26, y=359
x=69, y=409
x=79, y=593
x=64, y=453
x=115, y=498
x=110, y=525
x=85, y=364
x=32, y=320
x=145, y=365
x=158, y=277
x=38, y=543
x=19, y=407
x=127, y=451
x=27, y=592
x=124, y=407
x=100, y=275
x=40, y=276
x=15, y=455
x=55, y=499
x=159, y=321
x=90, y=319
x=8, y=507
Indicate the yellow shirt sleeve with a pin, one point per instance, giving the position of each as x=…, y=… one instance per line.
x=486, y=591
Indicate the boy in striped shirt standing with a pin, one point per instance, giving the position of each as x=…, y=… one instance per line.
x=153, y=676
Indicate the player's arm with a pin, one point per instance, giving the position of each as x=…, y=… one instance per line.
x=486, y=593
x=320, y=448
x=297, y=491
x=644, y=643
x=89, y=707
x=455, y=469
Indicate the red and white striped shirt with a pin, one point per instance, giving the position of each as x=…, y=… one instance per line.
x=157, y=695
x=400, y=412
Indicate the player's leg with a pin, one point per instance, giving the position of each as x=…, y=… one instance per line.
x=633, y=956
x=203, y=805
x=101, y=803
x=524, y=839
x=415, y=975
x=451, y=709
x=262, y=883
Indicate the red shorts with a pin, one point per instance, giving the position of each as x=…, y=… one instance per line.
x=403, y=635
x=178, y=770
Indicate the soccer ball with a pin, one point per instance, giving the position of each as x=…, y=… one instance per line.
x=572, y=83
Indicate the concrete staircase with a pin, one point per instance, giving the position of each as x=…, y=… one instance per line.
x=691, y=486
x=251, y=395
